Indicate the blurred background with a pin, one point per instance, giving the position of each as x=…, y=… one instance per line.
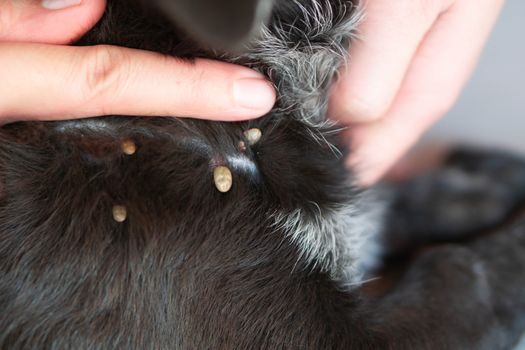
x=491, y=110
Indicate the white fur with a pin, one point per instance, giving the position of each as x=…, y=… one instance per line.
x=340, y=241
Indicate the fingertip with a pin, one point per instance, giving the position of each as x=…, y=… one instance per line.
x=363, y=176
x=254, y=97
x=368, y=169
x=365, y=167
x=375, y=148
x=233, y=92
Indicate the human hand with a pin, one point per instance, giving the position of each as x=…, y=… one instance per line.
x=44, y=79
x=408, y=68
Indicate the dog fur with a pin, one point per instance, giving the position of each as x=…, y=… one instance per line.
x=278, y=261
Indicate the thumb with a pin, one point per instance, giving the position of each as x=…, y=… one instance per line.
x=48, y=21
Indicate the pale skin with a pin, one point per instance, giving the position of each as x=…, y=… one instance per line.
x=407, y=70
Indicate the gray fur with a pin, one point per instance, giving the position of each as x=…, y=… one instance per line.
x=273, y=263
x=341, y=241
x=303, y=71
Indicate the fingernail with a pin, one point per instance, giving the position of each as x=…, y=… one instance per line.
x=59, y=4
x=255, y=94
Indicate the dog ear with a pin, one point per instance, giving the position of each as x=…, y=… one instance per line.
x=223, y=24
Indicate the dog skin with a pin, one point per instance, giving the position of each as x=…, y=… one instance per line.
x=113, y=234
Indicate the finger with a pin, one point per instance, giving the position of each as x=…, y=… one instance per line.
x=439, y=71
x=389, y=36
x=48, y=21
x=57, y=82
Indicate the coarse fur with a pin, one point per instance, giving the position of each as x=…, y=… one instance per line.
x=275, y=263
x=301, y=51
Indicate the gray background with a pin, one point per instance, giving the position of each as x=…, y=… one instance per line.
x=491, y=110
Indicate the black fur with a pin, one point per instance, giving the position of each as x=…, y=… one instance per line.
x=192, y=268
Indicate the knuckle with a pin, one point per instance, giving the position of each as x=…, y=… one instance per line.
x=104, y=71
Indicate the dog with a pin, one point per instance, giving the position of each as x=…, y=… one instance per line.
x=123, y=232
